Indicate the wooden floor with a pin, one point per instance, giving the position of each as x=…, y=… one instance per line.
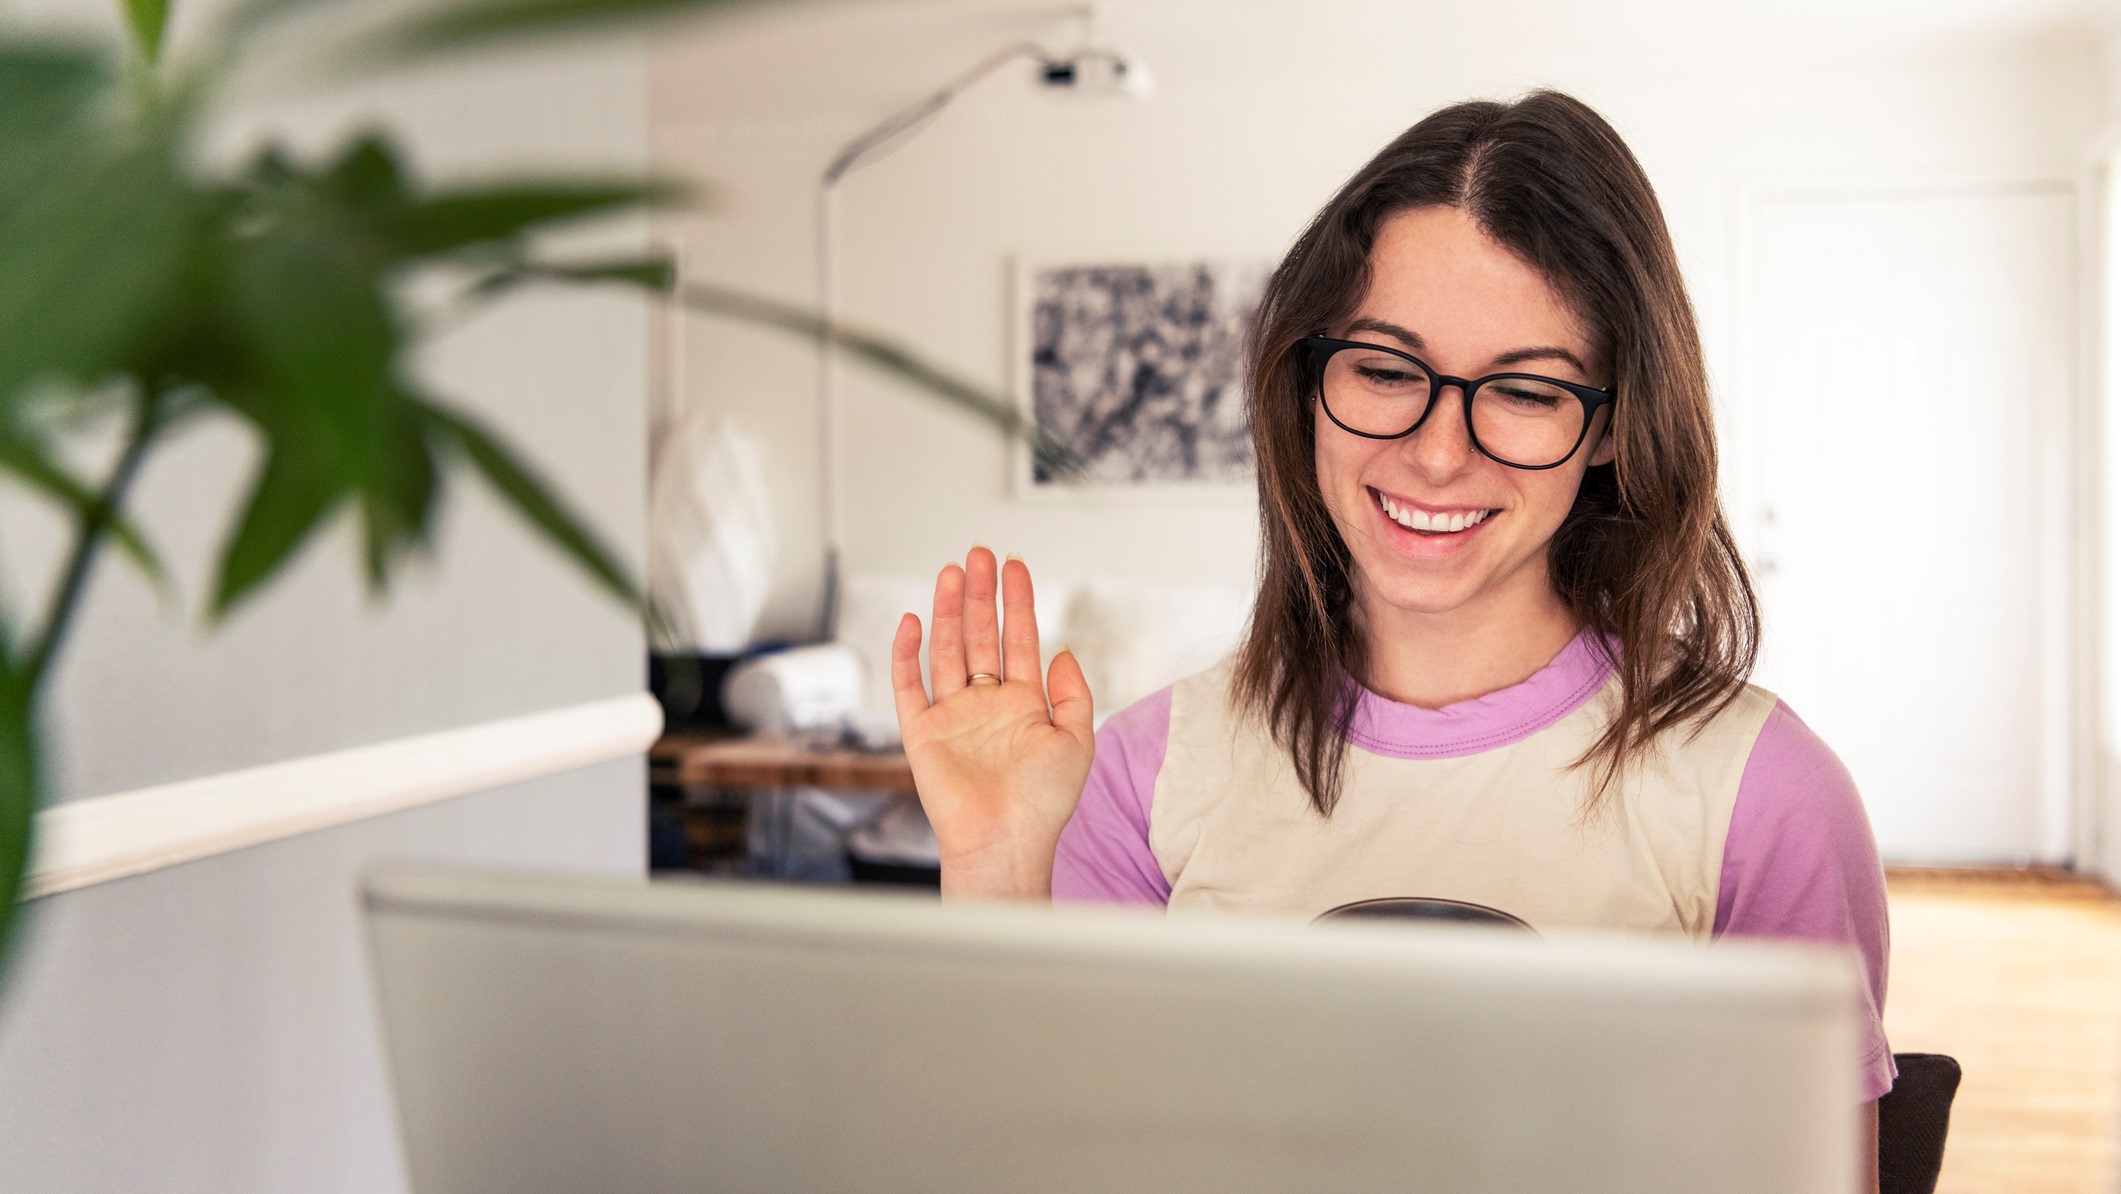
x=2018, y=975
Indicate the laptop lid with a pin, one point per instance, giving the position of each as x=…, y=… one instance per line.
x=572, y=1035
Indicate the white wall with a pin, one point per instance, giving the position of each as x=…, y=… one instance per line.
x=208, y=1028
x=1263, y=107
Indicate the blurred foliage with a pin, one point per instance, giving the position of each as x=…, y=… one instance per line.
x=142, y=288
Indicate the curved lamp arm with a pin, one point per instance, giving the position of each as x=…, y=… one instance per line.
x=858, y=152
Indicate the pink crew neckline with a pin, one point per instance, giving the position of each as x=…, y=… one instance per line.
x=1387, y=727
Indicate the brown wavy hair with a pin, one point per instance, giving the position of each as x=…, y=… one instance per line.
x=1644, y=558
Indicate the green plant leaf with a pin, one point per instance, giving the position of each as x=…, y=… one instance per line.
x=307, y=299
x=288, y=501
x=92, y=258
x=305, y=292
x=479, y=23
x=369, y=173
x=46, y=92
x=18, y=803
x=315, y=342
x=534, y=500
x=31, y=462
x=451, y=220
x=649, y=272
x=147, y=19
x=398, y=493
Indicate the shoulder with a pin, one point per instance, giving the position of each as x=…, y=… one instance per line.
x=1794, y=779
x=1734, y=726
x=1799, y=863
x=1799, y=859
x=1711, y=752
x=1132, y=743
x=1139, y=732
x=1209, y=686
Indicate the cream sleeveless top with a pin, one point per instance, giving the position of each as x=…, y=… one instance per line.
x=1233, y=830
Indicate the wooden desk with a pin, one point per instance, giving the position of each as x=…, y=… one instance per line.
x=702, y=760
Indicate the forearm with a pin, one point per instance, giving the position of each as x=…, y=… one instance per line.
x=1006, y=871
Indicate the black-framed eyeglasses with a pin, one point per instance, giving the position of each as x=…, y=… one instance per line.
x=1519, y=419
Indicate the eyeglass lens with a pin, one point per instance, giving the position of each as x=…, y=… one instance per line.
x=1518, y=420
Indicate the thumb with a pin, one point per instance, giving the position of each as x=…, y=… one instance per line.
x=1070, y=694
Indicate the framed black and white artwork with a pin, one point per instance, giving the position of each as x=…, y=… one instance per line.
x=1138, y=369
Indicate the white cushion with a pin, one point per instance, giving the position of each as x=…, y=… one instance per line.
x=1133, y=638
x=870, y=606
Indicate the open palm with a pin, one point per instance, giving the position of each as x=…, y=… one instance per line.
x=998, y=756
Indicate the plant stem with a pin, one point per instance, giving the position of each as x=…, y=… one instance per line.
x=7, y=646
x=89, y=534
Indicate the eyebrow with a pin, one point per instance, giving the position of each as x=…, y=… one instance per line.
x=1516, y=356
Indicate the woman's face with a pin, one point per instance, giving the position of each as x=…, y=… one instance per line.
x=1441, y=290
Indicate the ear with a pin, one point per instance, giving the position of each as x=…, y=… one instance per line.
x=1606, y=449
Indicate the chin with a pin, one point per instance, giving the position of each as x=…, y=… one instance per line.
x=1425, y=595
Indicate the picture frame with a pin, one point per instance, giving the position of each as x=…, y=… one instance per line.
x=1139, y=367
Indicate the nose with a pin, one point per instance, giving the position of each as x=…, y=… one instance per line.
x=1442, y=447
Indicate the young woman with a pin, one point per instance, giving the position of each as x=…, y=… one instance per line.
x=1500, y=648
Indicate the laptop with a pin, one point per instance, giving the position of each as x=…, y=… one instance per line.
x=549, y=1034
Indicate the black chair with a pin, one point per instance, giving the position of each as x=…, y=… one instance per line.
x=1912, y=1120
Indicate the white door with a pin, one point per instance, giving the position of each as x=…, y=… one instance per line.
x=1909, y=377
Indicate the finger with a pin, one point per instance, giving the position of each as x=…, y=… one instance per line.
x=1070, y=693
x=983, y=626
x=1019, y=623
x=946, y=643
x=906, y=691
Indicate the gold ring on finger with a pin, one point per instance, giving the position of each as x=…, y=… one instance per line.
x=983, y=676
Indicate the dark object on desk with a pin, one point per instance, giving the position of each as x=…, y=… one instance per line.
x=1412, y=908
x=669, y=846
x=688, y=685
x=1912, y=1120
x=863, y=870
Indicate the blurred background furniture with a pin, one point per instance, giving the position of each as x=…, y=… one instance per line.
x=781, y=807
x=784, y=763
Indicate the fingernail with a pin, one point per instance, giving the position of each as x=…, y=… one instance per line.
x=1019, y=559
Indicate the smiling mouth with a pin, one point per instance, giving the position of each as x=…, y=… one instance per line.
x=1421, y=522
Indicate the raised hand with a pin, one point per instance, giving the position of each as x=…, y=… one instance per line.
x=999, y=757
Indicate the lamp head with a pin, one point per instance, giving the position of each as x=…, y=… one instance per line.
x=1095, y=71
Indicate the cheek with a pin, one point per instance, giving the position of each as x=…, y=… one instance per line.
x=1340, y=458
x=1550, y=495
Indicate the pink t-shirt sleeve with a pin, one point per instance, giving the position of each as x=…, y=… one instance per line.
x=1104, y=851
x=1799, y=863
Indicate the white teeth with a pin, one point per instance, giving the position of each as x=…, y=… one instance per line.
x=1416, y=519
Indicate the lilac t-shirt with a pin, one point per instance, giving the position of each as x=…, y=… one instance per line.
x=1799, y=862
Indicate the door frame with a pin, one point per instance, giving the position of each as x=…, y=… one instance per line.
x=2098, y=820
x=2071, y=587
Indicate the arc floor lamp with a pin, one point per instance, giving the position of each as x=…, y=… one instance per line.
x=1092, y=69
